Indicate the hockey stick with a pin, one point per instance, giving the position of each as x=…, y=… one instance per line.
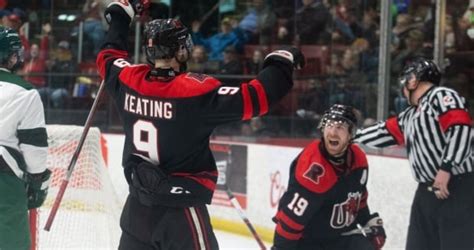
x=74, y=158
x=236, y=205
x=33, y=219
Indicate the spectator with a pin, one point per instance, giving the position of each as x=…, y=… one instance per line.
x=230, y=35
x=311, y=21
x=13, y=19
x=404, y=24
x=58, y=89
x=255, y=64
x=199, y=63
x=231, y=64
x=464, y=40
x=258, y=23
x=256, y=127
x=284, y=33
x=35, y=61
x=450, y=37
x=345, y=22
x=368, y=59
x=93, y=25
x=413, y=48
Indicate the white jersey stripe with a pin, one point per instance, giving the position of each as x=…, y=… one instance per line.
x=199, y=230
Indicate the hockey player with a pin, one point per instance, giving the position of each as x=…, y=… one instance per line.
x=436, y=131
x=168, y=115
x=325, y=206
x=23, y=147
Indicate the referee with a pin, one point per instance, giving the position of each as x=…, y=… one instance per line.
x=436, y=131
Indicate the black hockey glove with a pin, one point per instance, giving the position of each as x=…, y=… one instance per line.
x=37, y=188
x=374, y=231
x=149, y=178
x=290, y=55
x=128, y=8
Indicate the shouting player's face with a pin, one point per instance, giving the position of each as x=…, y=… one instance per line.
x=336, y=137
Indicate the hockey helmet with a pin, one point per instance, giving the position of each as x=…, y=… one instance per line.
x=10, y=44
x=339, y=113
x=164, y=37
x=424, y=70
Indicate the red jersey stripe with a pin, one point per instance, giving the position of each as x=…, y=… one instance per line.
x=247, y=100
x=454, y=117
x=394, y=130
x=281, y=216
x=262, y=96
x=287, y=235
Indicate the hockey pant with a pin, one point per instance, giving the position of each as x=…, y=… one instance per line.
x=165, y=228
x=14, y=226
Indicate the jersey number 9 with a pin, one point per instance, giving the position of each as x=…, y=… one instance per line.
x=145, y=140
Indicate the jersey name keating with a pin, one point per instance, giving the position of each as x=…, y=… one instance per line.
x=148, y=107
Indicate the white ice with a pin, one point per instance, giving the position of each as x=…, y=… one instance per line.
x=229, y=241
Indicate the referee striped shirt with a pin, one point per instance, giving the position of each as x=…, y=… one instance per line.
x=437, y=134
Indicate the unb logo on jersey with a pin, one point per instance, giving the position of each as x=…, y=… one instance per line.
x=344, y=213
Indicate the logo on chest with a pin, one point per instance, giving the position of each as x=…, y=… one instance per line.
x=344, y=213
x=314, y=173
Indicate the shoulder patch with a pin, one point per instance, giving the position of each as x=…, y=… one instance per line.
x=448, y=100
x=313, y=172
x=198, y=77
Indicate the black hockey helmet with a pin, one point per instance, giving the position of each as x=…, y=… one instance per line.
x=424, y=70
x=164, y=37
x=339, y=113
x=10, y=44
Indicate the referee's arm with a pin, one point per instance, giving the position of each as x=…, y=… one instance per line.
x=382, y=134
x=455, y=123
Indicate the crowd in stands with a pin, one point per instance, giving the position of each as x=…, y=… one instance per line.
x=340, y=39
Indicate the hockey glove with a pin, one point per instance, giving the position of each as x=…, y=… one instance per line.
x=290, y=55
x=37, y=188
x=128, y=8
x=148, y=178
x=374, y=231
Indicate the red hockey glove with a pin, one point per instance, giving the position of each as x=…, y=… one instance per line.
x=374, y=231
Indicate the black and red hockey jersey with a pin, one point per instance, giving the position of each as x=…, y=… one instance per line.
x=168, y=122
x=321, y=201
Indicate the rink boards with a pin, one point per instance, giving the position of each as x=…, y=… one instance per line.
x=259, y=175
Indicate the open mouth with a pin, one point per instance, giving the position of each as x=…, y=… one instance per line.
x=333, y=143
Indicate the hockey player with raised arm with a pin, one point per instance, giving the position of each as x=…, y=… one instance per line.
x=325, y=206
x=168, y=115
x=436, y=131
x=24, y=178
